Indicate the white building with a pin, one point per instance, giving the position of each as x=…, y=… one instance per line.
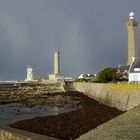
x=134, y=71
x=82, y=76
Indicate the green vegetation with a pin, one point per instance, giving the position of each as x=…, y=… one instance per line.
x=106, y=75
x=81, y=80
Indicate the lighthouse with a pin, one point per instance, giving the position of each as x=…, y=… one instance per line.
x=56, y=63
x=29, y=74
x=56, y=76
x=131, y=25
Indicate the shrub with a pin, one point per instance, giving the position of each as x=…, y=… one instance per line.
x=106, y=75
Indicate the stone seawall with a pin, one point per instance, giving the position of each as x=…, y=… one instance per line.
x=121, y=96
x=8, y=133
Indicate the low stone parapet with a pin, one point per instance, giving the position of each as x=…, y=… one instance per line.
x=9, y=133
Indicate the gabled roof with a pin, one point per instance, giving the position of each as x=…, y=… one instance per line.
x=135, y=65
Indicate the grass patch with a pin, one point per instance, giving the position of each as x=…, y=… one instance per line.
x=123, y=87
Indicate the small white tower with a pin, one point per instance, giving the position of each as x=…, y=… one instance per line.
x=29, y=73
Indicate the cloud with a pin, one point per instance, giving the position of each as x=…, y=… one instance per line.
x=89, y=34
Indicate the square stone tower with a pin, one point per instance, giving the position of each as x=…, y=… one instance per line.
x=56, y=63
x=56, y=76
x=131, y=25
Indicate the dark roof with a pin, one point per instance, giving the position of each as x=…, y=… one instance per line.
x=135, y=64
x=122, y=68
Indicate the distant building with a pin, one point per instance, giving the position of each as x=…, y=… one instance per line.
x=82, y=76
x=122, y=72
x=87, y=77
x=68, y=79
x=123, y=68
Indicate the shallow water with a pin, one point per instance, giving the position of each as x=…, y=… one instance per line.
x=13, y=112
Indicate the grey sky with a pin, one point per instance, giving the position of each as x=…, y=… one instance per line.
x=90, y=34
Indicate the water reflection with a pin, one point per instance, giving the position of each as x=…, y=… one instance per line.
x=14, y=112
x=56, y=110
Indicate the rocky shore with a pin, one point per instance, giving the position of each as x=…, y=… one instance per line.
x=87, y=115
x=28, y=91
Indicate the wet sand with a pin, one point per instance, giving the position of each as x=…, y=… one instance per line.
x=72, y=124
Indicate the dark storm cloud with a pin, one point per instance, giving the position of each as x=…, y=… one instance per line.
x=90, y=34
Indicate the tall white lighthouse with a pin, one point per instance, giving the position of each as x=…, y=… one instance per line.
x=131, y=25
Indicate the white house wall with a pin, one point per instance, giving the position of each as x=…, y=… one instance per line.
x=134, y=77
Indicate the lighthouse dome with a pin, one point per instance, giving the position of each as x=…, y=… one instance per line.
x=131, y=15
